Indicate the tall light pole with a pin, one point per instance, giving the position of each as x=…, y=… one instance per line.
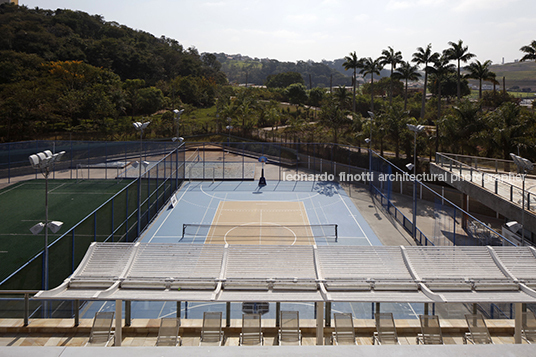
x=369, y=142
x=43, y=161
x=177, y=119
x=523, y=166
x=416, y=129
x=229, y=128
x=140, y=127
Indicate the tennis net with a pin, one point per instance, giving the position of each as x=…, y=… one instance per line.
x=266, y=230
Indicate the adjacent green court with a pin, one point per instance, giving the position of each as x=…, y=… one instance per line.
x=23, y=205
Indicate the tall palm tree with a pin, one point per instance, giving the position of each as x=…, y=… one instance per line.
x=530, y=52
x=352, y=62
x=424, y=56
x=406, y=72
x=389, y=56
x=441, y=69
x=371, y=67
x=480, y=71
x=459, y=52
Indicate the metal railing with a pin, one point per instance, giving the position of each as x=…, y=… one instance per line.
x=491, y=182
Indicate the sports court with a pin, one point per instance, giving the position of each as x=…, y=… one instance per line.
x=241, y=212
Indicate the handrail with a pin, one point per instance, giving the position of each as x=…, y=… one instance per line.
x=484, y=174
x=26, y=294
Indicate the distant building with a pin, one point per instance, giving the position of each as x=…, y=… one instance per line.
x=16, y=2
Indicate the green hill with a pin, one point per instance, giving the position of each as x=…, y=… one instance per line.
x=521, y=74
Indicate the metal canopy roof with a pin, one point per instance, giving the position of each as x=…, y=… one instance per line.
x=241, y=273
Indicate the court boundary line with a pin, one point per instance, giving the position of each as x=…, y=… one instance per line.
x=165, y=219
x=355, y=220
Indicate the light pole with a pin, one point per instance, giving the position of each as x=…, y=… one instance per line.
x=177, y=119
x=141, y=127
x=523, y=165
x=229, y=128
x=44, y=161
x=369, y=142
x=416, y=129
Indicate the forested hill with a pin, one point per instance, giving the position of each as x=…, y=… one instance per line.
x=315, y=74
x=65, y=35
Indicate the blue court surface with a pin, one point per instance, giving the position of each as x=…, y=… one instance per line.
x=198, y=202
x=325, y=203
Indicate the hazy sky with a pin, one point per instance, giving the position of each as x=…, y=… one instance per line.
x=293, y=30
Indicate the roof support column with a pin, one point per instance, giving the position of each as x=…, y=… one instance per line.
x=320, y=323
x=518, y=322
x=118, y=322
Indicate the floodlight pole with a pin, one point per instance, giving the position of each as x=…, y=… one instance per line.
x=45, y=257
x=416, y=129
x=177, y=120
x=371, y=114
x=229, y=127
x=523, y=165
x=140, y=127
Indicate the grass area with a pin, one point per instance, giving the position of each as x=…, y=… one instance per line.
x=23, y=205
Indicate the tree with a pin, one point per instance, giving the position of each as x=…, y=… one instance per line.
x=481, y=71
x=297, y=93
x=393, y=58
x=334, y=116
x=352, y=62
x=395, y=120
x=407, y=72
x=463, y=126
x=283, y=80
x=424, y=56
x=441, y=69
x=371, y=67
x=506, y=128
x=530, y=52
x=458, y=52
x=315, y=96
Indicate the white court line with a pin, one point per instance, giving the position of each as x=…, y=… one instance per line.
x=355, y=220
x=165, y=219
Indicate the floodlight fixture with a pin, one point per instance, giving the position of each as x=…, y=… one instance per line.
x=410, y=166
x=54, y=226
x=371, y=114
x=415, y=128
x=367, y=140
x=37, y=228
x=141, y=126
x=522, y=163
x=43, y=160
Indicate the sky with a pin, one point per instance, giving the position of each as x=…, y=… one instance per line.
x=292, y=30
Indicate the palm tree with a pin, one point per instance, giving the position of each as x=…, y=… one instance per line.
x=393, y=58
x=334, y=116
x=424, y=56
x=481, y=72
x=530, y=52
x=395, y=120
x=459, y=52
x=406, y=72
x=371, y=67
x=441, y=69
x=352, y=62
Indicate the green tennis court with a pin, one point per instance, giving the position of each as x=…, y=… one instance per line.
x=23, y=205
